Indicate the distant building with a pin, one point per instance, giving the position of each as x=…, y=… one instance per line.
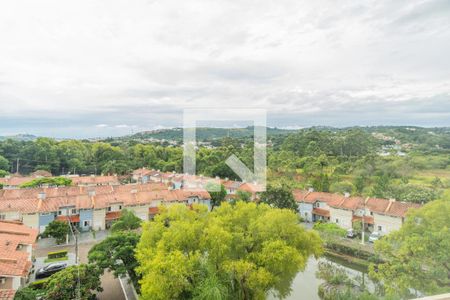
x=91, y=207
x=381, y=215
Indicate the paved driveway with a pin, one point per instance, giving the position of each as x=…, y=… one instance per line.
x=111, y=285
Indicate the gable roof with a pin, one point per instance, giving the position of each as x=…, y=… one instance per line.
x=14, y=262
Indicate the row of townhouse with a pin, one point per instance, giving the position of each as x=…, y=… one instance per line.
x=95, y=207
x=16, y=251
x=178, y=181
x=380, y=215
x=15, y=181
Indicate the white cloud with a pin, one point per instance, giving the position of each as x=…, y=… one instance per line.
x=77, y=63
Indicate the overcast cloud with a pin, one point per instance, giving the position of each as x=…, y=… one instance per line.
x=109, y=67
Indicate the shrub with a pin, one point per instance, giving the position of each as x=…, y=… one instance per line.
x=57, y=254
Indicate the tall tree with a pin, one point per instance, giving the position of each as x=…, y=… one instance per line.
x=217, y=193
x=58, y=230
x=127, y=221
x=116, y=253
x=74, y=282
x=241, y=251
x=418, y=255
x=279, y=197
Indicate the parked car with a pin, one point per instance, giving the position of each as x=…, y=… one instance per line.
x=351, y=233
x=49, y=270
x=375, y=236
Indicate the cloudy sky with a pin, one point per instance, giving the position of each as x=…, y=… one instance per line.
x=110, y=67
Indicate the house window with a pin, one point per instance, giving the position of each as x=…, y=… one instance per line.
x=59, y=212
x=86, y=223
x=380, y=228
x=109, y=208
x=120, y=207
x=371, y=213
x=74, y=211
x=337, y=221
x=2, y=217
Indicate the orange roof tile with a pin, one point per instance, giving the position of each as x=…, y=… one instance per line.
x=71, y=219
x=367, y=219
x=321, y=212
x=14, y=262
x=113, y=215
x=7, y=294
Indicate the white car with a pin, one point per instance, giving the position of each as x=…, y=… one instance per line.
x=375, y=236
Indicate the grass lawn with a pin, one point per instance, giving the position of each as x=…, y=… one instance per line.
x=49, y=260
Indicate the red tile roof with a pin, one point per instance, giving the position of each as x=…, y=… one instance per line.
x=14, y=262
x=113, y=215
x=7, y=294
x=376, y=205
x=367, y=219
x=321, y=212
x=153, y=210
x=72, y=219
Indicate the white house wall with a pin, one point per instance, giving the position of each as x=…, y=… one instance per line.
x=387, y=223
x=343, y=217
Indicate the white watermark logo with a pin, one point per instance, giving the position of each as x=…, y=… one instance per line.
x=258, y=117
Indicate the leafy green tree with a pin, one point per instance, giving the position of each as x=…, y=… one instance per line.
x=51, y=181
x=279, y=197
x=359, y=182
x=217, y=193
x=64, y=284
x=417, y=256
x=58, y=230
x=25, y=293
x=127, y=221
x=116, y=253
x=381, y=187
x=241, y=251
x=4, y=164
x=243, y=196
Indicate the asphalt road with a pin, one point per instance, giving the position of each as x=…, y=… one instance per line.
x=111, y=285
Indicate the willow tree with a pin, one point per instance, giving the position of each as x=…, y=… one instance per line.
x=241, y=251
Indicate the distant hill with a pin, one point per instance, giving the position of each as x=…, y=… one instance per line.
x=19, y=137
x=204, y=133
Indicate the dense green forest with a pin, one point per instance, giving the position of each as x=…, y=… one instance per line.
x=405, y=163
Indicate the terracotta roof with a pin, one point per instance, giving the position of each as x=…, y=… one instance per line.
x=14, y=262
x=230, y=184
x=250, y=187
x=328, y=198
x=153, y=210
x=72, y=219
x=113, y=215
x=321, y=212
x=95, y=180
x=399, y=209
x=7, y=294
x=367, y=219
x=15, y=181
x=299, y=195
x=380, y=206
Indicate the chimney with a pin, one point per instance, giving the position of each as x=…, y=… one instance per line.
x=310, y=189
x=42, y=195
x=346, y=194
x=91, y=193
x=133, y=191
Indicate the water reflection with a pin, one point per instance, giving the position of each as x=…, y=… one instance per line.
x=306, y=285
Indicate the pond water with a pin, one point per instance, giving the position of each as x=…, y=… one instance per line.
x=306, y=285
